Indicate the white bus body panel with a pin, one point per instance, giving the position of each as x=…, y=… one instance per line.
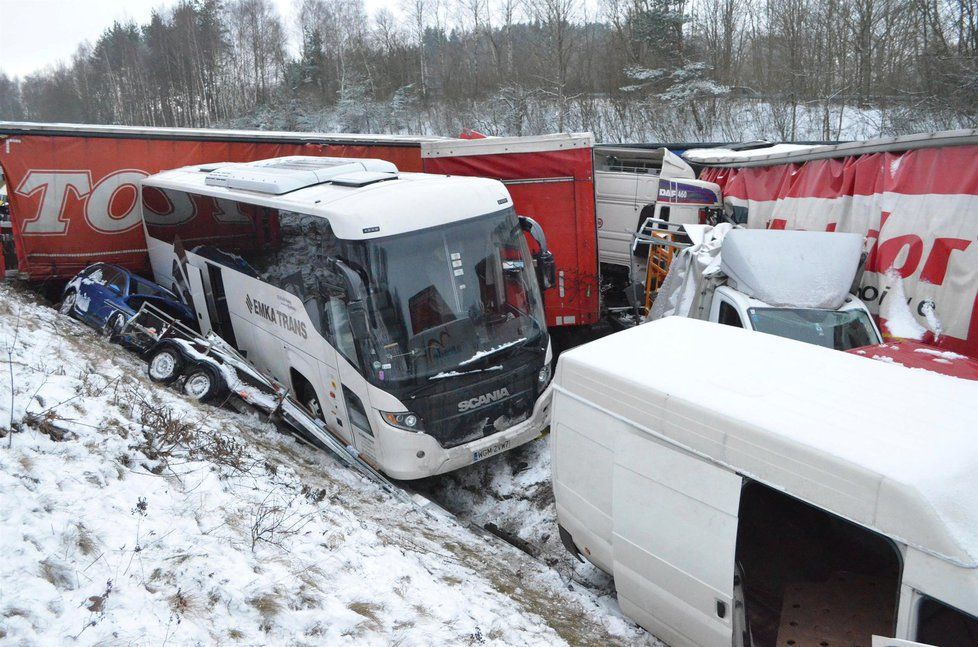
x=278, y=346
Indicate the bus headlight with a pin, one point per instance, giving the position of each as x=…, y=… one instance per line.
x=543, y=376
x=402, y=420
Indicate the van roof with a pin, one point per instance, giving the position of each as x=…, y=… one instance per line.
x=888, y=447
x=364, y=207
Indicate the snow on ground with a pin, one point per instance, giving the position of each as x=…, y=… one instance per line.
x=513, y=492
x=130, y=515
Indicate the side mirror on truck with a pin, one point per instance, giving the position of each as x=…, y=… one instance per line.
x=546, y=268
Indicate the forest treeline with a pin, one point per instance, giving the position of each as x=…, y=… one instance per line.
x=625, y=69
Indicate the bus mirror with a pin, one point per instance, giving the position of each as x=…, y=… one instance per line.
x=546, y=270
x=357, y=311
x=546, y=267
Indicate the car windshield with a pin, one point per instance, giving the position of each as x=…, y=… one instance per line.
x=147, y=289
x=447, y=300
x=838, y=329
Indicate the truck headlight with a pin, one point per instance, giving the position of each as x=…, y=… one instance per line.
x=543, y=376
x=402, y=420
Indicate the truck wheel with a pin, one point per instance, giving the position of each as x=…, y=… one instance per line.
x=204, y=383
x=67, y=305
x=165, y=364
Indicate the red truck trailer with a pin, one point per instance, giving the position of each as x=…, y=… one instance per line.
x=914, y=197
x=72, y=188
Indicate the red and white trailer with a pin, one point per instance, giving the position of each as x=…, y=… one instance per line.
x=915, y=198
x=72, y=188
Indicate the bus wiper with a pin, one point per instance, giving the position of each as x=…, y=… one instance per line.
x=482, y=354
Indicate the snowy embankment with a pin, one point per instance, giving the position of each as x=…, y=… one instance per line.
x=131, y=516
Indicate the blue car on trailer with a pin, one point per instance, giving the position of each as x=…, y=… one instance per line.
x=106, y=296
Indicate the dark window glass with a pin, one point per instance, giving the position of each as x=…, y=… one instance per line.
x=729, y=316
x=944, y=626
x=358, y=415
x=838, y=329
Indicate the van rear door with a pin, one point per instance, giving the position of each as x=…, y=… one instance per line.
x=674, y=541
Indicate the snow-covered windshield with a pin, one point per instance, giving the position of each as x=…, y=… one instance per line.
x=838, y=329
x=448, y=296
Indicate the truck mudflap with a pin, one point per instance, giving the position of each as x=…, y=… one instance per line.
x=568, y=542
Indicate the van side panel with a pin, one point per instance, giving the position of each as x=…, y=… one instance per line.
x=582, y=446
x=674, y=541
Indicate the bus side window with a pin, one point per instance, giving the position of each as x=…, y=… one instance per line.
x=358, y=415
x=728, y=315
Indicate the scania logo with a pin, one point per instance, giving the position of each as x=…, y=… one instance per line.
x=483, y=400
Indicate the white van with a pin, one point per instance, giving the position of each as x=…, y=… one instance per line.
x=748, y=489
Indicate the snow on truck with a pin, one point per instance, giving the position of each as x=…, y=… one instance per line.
x=402, y=308
x=734, y=505
x=794, y=284
x=914, y=197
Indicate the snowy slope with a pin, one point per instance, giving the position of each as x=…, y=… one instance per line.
x=132, y=516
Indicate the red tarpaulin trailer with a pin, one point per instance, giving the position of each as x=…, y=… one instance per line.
x=915, y=198
x=72, y=188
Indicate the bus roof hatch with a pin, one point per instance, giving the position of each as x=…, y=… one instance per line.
x=284, y=174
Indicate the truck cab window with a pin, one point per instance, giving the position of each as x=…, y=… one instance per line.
x=729, y=316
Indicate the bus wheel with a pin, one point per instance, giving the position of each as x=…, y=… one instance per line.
x=307, y=396
x=204, y=383
x=165, y=364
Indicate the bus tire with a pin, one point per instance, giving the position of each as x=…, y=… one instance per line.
x=204, y=383
x=165, y=364
x=306, y=395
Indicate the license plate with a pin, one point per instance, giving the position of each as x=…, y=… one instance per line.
x=491, y=450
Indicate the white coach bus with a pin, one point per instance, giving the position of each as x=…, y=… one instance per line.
x=404, y=309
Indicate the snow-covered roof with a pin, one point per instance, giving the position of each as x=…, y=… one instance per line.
x=803, y=269
x=794, y=153
x=410, y=202
x=887, y=447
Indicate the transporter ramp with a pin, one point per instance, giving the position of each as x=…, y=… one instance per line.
x=153, y=333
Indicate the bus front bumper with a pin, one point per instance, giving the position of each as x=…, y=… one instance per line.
x=417, y=455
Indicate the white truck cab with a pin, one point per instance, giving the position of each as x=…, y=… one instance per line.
x=634, y=184
x=762, y=491
x=793, y=284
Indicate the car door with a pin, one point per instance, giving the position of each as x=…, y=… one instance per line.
x=109, y=294
x=93, y=293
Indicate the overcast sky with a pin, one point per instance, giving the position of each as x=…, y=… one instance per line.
x=37, y=33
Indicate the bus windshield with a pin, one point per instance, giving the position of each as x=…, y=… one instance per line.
x=838, y=329
x=448, y=300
